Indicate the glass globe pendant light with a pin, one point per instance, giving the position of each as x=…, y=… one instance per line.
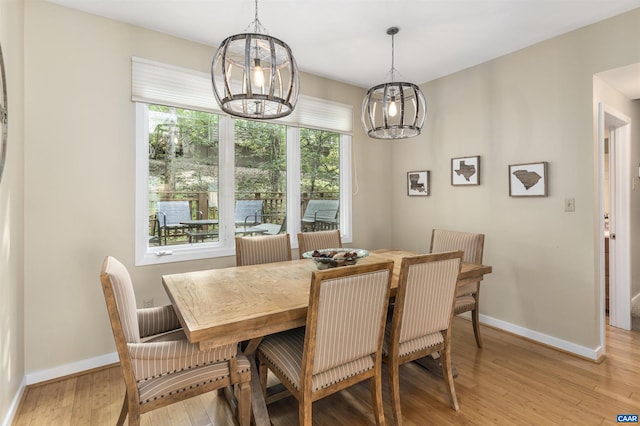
x=255, y=75
x=393, y=110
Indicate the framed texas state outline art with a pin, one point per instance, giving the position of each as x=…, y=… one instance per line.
x=528, y=180
x=465, y=171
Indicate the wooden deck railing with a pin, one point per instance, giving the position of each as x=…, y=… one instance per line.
x=202, y=201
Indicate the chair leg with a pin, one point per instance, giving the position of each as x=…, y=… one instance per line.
x=475, y=317
x=263, y=371
x=447, y=373
x=304, y=411
x=394, y=387
x=123, y=411
x=376, y=398
x=244, y=404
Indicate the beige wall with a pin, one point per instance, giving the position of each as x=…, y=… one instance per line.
x=12, y=367
x=80, y=175
x=533, y=105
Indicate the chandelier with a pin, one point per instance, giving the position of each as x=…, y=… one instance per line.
x=255, y=75
x=393, y=110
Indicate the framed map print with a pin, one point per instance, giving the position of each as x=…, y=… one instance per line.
x=3, y=115
x=418, y=183
x=465, y=171
x=528, y=180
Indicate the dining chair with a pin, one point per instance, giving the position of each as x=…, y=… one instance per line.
x=263, y=249
x=308, y=241
x=341, y=343
x=159, y=365
x=421, y=320
x=473, y=246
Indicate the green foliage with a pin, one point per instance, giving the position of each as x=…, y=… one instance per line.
x=320, y=161
x=184, y=144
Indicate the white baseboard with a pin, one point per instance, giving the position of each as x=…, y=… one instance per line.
x=589, y=353
x=100, y=361
x=15, y=403
x=71, y=368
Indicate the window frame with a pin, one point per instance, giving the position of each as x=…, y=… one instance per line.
x=225, y=246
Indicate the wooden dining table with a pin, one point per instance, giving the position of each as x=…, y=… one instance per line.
x=246, y=303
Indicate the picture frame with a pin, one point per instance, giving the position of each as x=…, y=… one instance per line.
x=528, y=180
x=465, y=171
x=418, y=183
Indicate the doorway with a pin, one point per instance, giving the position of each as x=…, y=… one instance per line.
x=614, y=148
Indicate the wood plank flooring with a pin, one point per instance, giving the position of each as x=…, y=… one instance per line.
x=511, y=381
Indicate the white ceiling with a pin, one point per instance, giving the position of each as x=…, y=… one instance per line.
x=346, y=40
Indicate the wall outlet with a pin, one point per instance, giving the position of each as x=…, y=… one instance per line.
x=147, y=303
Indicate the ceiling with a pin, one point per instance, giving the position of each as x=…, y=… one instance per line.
x=346, y=40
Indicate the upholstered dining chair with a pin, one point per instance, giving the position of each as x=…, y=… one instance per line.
x=422, y=317
x=473, y=246
x=341, y=343
x=263, y=249
x=159, y=366
x=318, y=240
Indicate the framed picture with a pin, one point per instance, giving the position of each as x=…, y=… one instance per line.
x=418, y=183
x=465, y=171
x=528, y=180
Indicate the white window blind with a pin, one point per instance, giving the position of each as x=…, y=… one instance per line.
x=158, y=83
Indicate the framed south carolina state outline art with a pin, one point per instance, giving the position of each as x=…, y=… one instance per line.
x=528, y=180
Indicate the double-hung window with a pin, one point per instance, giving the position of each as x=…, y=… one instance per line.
x=203, y=177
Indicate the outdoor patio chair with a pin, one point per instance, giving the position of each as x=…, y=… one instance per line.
x=169, y=215
x=320, y=214
x=248, y=212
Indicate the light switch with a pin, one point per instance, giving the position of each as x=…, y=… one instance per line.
x=569, y=204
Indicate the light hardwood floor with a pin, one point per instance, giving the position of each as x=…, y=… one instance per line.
x=511, y=381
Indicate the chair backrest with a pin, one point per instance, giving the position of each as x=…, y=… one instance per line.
x=425, y=295
x=173, y=212
x=346, y=316
x=249, y=211
x=322, y=210
x=263, y=249
x=471, y=244
x=319, y=240
x=116, y=280
x=121, y=307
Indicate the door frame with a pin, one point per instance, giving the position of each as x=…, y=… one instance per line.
x=620, y=248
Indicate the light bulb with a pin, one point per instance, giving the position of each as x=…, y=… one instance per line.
x=258, y=74
x=393, y=109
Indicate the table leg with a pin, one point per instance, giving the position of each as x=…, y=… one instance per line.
x=432, y=364
x=258, y=402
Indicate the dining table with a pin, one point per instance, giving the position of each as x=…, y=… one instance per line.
x=242, y=304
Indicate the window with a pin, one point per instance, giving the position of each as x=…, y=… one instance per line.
x=203, y=177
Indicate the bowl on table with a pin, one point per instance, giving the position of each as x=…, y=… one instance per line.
x=334, y=257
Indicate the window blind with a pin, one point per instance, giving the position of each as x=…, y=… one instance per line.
x=158, y=83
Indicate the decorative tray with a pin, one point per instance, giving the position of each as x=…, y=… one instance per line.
x=333, y=257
